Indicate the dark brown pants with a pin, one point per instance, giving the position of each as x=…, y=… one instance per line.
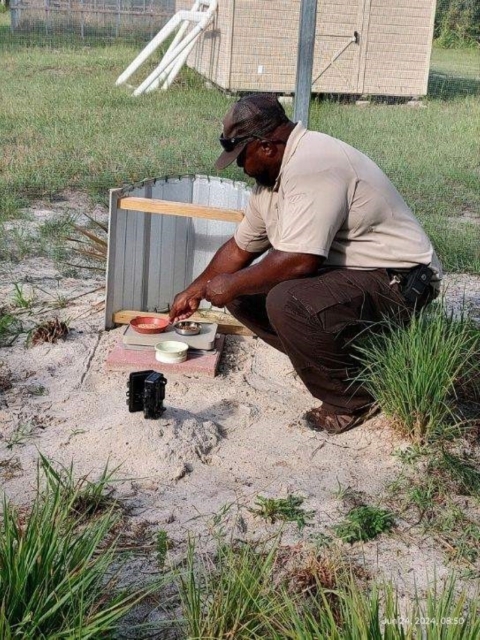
x=314, y=321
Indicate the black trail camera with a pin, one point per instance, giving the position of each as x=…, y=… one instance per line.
x=146, y=392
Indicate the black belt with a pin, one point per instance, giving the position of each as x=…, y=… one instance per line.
x=414, y=283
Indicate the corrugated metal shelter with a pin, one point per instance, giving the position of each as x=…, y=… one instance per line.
x=155, y=251
x=376, y=47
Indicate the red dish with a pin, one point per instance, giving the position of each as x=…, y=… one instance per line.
x=148, y=324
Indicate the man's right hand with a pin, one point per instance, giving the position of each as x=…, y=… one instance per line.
x=228, y=259
x=184, y=305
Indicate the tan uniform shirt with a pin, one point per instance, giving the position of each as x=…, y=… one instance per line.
x=333, y=201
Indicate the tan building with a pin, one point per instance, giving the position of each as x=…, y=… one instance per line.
x=375, y=47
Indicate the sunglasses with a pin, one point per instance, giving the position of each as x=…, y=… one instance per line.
x=229, y=144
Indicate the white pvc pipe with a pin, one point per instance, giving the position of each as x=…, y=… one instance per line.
x=162, y=35
x=169, y=74
x=161, y=78
x=170, y=57
x=171, y=25
x=173, y=44
x=179, y=64
x=183, y=57
x=168, y=60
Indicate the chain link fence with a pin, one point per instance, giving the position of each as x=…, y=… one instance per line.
x=80, y=22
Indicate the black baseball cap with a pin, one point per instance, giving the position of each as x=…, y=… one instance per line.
x=253, y=116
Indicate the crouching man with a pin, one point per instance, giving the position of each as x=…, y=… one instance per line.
x=342, y=252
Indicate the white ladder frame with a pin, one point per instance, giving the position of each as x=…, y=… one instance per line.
x=179, y=49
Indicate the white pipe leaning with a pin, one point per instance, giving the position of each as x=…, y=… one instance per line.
x=170, y=57
x=180, y=33
x=177, y=52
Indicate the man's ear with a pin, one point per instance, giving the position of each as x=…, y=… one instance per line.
x=269, y=149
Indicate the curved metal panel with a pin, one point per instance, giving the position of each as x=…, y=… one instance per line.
x=152, y=257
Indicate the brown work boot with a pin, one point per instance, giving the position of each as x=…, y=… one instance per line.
x=320, y=419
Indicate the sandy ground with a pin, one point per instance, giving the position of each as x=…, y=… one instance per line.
x=220, y=443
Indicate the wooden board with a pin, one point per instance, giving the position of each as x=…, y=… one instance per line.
x=226, y=324
x=149, y=205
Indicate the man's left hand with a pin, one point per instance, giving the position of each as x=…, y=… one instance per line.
x=219, y=290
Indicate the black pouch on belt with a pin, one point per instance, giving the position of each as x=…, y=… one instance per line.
x=416, y=283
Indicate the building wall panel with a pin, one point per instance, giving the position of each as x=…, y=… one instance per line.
x=266, y=39
x=398, y=47
x=259, y=46
x=211, y=56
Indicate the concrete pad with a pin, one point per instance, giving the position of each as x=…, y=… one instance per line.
x=124, y=359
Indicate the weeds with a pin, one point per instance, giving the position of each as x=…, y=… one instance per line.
x=61, y=301
x=463, y=473
x=287, y=509
x=10, y=328
x=17, y=243
x=19, y=299
x=162, y=544
x=244, y=594
x=364, y=523
x=432, y=483
x=92, y=247
x=20, y=435
x=56, y=579
x=10, y=468
x=230, y=598
x=84, y=497
x=38, y=390
x=413, y=371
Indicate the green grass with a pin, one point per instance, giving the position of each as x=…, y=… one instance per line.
x=287, y=509
x=249, y=593
x=64, y=124
x=84, y=496
x=10, y=327
x=364, y=523
x=19, y=299
x=460, y=63
x=57, y=577
x=413, y=372
x=435, y=482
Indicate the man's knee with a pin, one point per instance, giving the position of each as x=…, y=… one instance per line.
x=278, y=299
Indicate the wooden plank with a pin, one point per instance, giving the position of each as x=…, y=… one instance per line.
x=226, y=323
x=147, y=205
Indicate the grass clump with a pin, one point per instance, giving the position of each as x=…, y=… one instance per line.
x=20, y=299
x=85, y=497
x=56, y=570
x=10, y=328
x=247, y=592
x=441, y=484
x=364, y=523
x=287, y=509
x=414, y=372
x=231, y=597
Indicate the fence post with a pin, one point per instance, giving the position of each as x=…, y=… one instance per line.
x=14, y=15
x=82, y=25
x=47, y=16
x=306, y=46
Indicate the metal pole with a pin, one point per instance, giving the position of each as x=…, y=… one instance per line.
x=306, y=46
